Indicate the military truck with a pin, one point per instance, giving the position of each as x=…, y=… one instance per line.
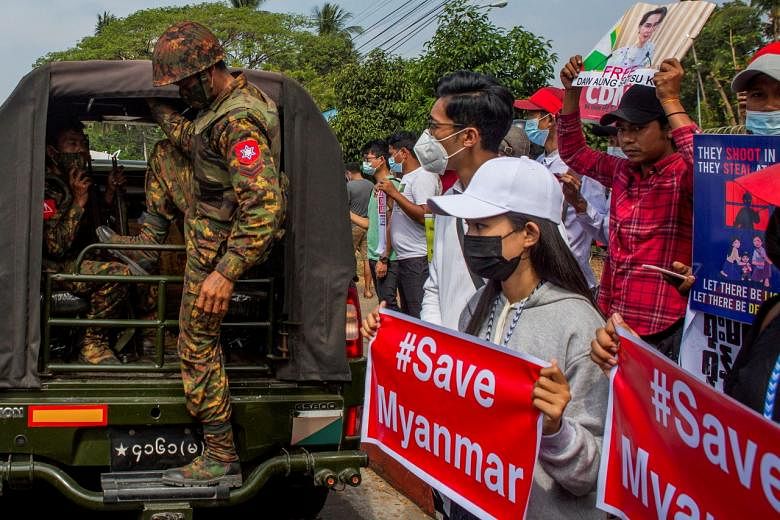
x=100, y=435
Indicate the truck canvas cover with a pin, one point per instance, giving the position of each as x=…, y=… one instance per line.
x=318, y=249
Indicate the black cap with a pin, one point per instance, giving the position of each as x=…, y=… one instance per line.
x=604, y=130
x=638, y=106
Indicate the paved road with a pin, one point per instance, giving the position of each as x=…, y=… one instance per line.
x=374, y=499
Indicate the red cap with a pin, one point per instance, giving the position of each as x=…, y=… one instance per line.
x=549, y=99
x=764, y=184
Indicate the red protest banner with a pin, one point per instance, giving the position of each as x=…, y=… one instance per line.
x=676, y=448
x=456, y=411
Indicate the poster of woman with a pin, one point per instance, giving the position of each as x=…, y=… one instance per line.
x=630, y=52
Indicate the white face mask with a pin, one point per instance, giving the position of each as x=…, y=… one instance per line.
x=431, y=154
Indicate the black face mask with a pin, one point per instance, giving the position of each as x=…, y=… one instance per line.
x=197, y=97
x=484, y=258
x=66, y=161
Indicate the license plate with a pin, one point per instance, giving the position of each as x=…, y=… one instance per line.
x=154, y=448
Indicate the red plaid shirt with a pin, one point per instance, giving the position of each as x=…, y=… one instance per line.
x=650, y=222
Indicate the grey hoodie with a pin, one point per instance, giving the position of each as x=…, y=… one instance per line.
x=557, y=324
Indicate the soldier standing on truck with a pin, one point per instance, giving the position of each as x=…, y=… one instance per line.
x=66, y=195
x=233, y=213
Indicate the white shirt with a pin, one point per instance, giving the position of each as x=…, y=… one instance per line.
x=449, y=285
x=408, y=235
x=581, y=228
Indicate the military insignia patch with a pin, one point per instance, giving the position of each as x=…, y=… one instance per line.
x=247, y=151
x=49, y=208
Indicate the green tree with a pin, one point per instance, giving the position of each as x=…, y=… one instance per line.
x=332, y=19
x=252, y=39
x=725, y=44
x=370, y=101
x=382, y=93
x=466, y=39
x=103, y=20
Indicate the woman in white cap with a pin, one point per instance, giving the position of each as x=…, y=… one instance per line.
x=538, y=302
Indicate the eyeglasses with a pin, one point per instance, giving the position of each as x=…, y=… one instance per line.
x=433, y=125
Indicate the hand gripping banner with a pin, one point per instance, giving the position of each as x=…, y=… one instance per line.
x=676, y=448
x=456, y=411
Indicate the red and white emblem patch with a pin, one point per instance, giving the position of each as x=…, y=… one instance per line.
x=49, y=208
x=247, y=151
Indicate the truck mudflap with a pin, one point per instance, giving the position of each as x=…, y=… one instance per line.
x=131, y=490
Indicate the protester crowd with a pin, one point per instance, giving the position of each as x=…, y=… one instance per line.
x=508, y=256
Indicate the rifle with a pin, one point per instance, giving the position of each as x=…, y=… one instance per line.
x=119, y=198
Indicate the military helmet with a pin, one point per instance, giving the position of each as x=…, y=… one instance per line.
x=184, y=49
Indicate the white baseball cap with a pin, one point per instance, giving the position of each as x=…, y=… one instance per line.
x=504, y=184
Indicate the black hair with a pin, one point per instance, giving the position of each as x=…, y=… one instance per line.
x=59, y=124
x=378, y=147
x=353, y=167
x=478, y=100
x=648, y=14
x=402, y=139
x=552, y=260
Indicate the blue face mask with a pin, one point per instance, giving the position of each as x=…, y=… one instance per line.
x=763, y=123
x=394, y=166
x=367, y=168
x=536, y=136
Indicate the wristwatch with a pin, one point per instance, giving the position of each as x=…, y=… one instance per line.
x=384, y=259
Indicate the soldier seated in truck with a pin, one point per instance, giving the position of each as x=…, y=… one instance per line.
x=66, y=210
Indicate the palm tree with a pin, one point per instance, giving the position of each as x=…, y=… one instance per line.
x=103, y=20
x=332, y=19
x=253, y=4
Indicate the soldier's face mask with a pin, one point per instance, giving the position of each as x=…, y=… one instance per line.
x=197, y=90
x=68, y=160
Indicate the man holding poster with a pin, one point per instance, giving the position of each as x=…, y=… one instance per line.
x=652, y=198
x=536, y=305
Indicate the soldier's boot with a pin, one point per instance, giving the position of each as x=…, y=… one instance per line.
x=95, y=350
x=218, y=465
x=149, y=345
x=139, y=261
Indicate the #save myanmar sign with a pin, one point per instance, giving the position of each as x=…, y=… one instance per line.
x=676, y=448
x=456, y=411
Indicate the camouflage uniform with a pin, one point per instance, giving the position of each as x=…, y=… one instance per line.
x=168, y=194
x=62, y=219
x=233, y=213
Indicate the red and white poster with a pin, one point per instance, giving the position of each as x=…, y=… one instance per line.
x=456, y=411
x=676, y=448
x=632, y=50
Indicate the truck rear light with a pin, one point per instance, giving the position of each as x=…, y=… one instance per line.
x=354, y=338
x=352, y=418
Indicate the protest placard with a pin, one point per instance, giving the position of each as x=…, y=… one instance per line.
x=456, y=411
x=675, y=448
x=733, y=274
x=631, y=51
x=710, y=346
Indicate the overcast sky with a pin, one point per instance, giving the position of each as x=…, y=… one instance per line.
x=31, y=29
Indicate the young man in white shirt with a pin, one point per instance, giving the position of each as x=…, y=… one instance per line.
x=407, y=227
x=470, y=117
